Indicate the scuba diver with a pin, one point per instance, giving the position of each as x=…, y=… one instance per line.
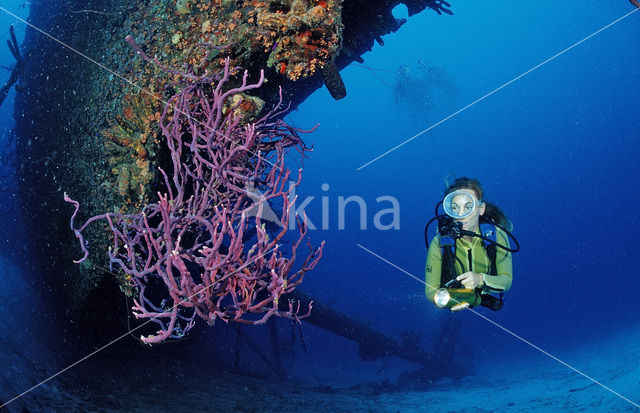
x=469, y=258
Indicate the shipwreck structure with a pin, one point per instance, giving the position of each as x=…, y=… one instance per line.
x=94, y=77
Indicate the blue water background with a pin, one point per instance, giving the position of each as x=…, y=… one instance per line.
x=11, y=229
x=556, y=150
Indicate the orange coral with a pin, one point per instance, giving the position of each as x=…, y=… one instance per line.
x=307, y=35
x=126, y=140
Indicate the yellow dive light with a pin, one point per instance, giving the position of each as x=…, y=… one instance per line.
x=448, y=297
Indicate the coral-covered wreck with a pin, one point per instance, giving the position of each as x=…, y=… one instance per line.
x=89, y=107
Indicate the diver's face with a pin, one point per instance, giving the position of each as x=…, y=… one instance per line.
x=461, y=205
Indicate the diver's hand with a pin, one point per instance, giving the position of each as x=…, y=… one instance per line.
x=459, y=307
x=471, y=279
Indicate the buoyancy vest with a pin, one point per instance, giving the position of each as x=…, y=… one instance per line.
x=448, y=249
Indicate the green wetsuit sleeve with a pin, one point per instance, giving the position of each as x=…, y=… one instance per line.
x=433, y=268
x=504, y=266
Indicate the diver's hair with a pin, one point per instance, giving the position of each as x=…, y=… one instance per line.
x=492, y=211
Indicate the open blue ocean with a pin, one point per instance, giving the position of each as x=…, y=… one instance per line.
x=537, y=100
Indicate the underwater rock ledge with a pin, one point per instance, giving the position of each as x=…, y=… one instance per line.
x=82, y=130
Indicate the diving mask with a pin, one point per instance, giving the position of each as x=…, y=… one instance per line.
x=460, y=204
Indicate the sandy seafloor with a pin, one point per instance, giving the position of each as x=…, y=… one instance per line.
x=119, y=383
x=513, y=388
